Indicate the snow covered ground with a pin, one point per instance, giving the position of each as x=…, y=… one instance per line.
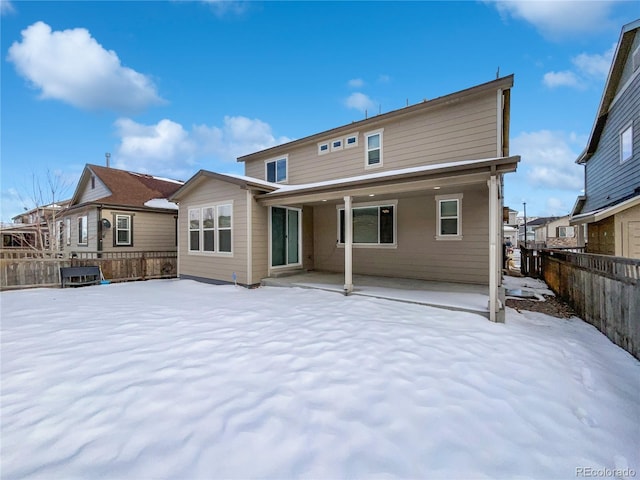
x=177, y=379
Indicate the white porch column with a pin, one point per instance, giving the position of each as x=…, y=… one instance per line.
x=348, y=246
x=493, y=248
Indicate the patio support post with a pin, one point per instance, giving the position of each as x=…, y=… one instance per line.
x=493, y=248
x=348, y=246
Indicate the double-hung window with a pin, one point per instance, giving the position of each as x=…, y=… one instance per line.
x=449, y=217
x=373, y=149
x=276, y=170
x=83, y=230
x=210, y=229
x=67, y=230
x=372, y=224
x=626, y=144
x=123, y=234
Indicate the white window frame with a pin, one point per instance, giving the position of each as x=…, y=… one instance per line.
x=367, y=150
x=339, y=142
x=83, y=226
x=325, y=151
x=626, y=134
x=446, y=198
x=564, y=230
x=216, y=252
x=67, y=233
x=285, y=159
x=351, y=145
x=355, y=206
x=117, y=229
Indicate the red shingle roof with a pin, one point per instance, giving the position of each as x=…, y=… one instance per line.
x=133, y=189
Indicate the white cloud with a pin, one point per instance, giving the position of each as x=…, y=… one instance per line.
x=6, y=7
x=559, y=19
x=360, y=101
x=595, y=65
x=356, y=83
x=167, y=148
x=557, y=207
x=548, y=159
x=562, y=79
x=224, y=7
x=71, y=66
x=588, y=67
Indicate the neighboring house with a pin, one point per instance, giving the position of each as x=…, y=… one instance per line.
x=32, y=228
x=118, y=211
x=611, y=204
x=414, y=193
x=510, y=226
x=554, y=232
x=530, y=228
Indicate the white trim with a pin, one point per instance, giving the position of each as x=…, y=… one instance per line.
x=270, y=243
x=348, y=245
x=86, y=222
x=323, y=144
x=499, y=123
x=116, y=229
x=493, y=248
x=351, y=145
x=216, y=230
x=334, y=147
x=67, y=225
x=373, y=133
x=627, y=128
x=441, y=198
x=276, y=160
x=249, y=238
x=623, y=88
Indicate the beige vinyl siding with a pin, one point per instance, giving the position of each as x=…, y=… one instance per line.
x=452, y=132
x=628, y=224
x=89, y=194
x=151, y=231
x=260, y=242
x=418, y=253
x=215, y=267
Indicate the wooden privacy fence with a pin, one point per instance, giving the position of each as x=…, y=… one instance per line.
x=28, y=268
x=603, y=290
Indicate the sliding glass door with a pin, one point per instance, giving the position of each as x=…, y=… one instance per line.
x=285, y=236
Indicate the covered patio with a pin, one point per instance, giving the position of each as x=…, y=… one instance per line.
x=451, y=296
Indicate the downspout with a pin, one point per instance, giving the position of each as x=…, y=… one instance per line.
x=348, y=246
x=99, y=230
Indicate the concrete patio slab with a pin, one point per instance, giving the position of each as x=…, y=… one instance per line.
x=450, y=296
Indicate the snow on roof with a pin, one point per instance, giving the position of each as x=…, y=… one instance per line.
x=371, y=176
x=252, y=180
x=161, y=203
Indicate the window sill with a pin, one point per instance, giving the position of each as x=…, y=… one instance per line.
x=448, y=237
x=210, y=254
x=372, y=245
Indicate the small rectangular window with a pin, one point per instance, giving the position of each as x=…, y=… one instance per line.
x=373, y=149
x=323, y=148
x=626, y=144
x=336, y=145
x=83, y=232
x=351, y=141
x=449, y=217
x=194, y=229
x=276, y=170
x=67, y=230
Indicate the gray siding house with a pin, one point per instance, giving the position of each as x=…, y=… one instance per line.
x=611, y=204
x=413, y=193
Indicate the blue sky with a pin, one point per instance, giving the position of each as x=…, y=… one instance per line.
x=174, y=86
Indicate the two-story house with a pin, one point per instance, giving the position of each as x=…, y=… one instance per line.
x=611, y=204
x=554, y=232
x=36, y=229
x=413, y=193
x=116, y=210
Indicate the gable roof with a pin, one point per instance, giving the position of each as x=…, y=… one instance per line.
x=623, y=50
x=126, y=188
x=372, y=122
x=241, y=181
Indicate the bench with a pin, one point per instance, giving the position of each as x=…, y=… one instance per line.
x=78, y=276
